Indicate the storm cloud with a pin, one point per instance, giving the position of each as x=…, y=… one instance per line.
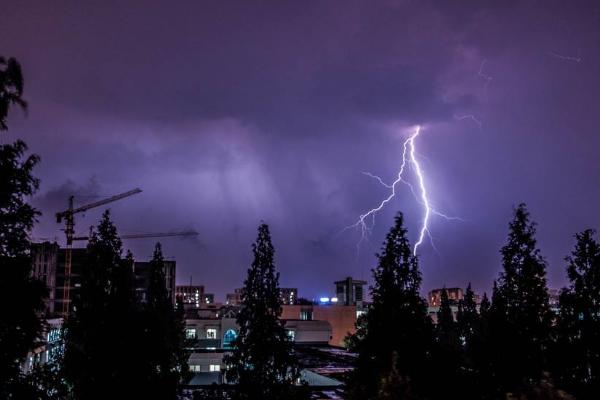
x=229, y=113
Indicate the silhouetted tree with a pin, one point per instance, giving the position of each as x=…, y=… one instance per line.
x=263, y=364
x=394, y=385
x=396, y=323
x=20, y=322
x=447, y=353
x=101, y=337
x=164, y=333
x=577, y=350
x=11, y=88
x=467, y=318
x=520, y=317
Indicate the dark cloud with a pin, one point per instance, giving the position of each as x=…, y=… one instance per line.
x=227, y=114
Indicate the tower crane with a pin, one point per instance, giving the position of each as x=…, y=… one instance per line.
x=68, y=216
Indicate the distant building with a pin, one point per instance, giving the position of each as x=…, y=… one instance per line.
x=209, y=298
x=189, y=295
x=49, y=347
x=554, y=298
x=235, y=298
x=211, y=332
x=454, y=295
x=350, y=291
x=141, y=270
x=48, y=265
x=287, y=296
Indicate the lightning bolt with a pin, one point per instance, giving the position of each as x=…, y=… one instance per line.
x=564, y=57
x=421, y=195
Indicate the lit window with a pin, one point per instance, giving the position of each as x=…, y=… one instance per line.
x=211, y=333
x=306, y=315
x=228, y=339
x=195, y=368
x=291, y=335
x=214, y=368
x=190, y=333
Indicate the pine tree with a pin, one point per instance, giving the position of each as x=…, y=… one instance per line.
x=447, y=352
x=98, y=335
x=467, y=318
x=164, y=332
x=20, y=323
x=577, y=351
x=262, y=364
x=520, y=317
x=396, y=323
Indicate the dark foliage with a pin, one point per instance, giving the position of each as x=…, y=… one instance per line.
x=20, y=323
x=576, y=355
x=447, y=352
x=393, y=340
x=163, y=332
x=263, y=363
x=520, y=318
x=11, y=88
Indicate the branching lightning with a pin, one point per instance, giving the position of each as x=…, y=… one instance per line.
x=470, y=117
x=409, y=158
x=564, y=57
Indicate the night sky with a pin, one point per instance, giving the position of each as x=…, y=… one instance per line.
x=229, y=113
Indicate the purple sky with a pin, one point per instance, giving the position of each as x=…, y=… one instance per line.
x=229, y=113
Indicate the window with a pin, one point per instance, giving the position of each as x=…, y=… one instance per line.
x=194, y=368
x=306, y=315
x=228, y=338
x=211, y=333
x=291, y=335
x=190, y=333
x=214, y=368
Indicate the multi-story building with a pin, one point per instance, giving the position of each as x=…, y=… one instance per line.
x=190, y=295
x=49, y=348
x=350, y=291
x=49, y=266
x=209, y=298
x=288, y=296
x=435, y=295
x=235, y=298
x=211, y=331
x=141, y=270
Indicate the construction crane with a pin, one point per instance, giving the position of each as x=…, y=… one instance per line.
x=69, y=217
x=147, y=235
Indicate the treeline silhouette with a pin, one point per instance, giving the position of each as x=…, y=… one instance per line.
x=512, y=345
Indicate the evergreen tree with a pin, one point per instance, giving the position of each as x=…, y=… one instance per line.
x=100, y=335
x=577, y=350
x=520, y=318
x=164, y=331
x=20, y=323
x=467, y=318
x=447, y=351
x=263, y=364
x=396, y=323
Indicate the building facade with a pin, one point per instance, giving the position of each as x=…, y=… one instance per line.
x=190, y=295
x=454, y=295
x=350, y=292
x=48, y=265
